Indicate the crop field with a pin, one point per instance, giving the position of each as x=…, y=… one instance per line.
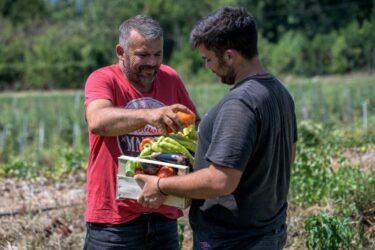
x=43, y=153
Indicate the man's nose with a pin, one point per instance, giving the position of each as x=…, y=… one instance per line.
x=152, y=60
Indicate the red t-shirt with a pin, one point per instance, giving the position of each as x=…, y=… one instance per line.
x=110, y=83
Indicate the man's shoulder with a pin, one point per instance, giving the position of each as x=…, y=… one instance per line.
x=106, y=70
x=166, y=70
x=104, y=74
x=168, y=76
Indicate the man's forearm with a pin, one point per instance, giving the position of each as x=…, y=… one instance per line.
x=205, y=183
x=113, y=121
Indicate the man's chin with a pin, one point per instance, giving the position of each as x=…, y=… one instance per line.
x=224, y=80
x=147, y=79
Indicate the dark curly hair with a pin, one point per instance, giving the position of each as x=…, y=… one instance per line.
x=227, y=28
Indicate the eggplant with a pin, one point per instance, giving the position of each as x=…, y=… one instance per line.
x=171, y=158
x=150, y=168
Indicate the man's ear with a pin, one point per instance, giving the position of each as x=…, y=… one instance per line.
x=119, y=51
x=229, y=56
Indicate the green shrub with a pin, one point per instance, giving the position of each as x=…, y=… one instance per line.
x=353, y=190
x=310, y=175
x=328, y=232
x=310, y=133
x=19, y=168
x=71, y=162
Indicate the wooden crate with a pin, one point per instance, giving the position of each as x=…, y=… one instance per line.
x=129, y=188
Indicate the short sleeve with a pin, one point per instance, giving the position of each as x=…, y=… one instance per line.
x=234, y=135
x=98, y=86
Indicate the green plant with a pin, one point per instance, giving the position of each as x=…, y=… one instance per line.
x=18, y=168
x=310, y=174
x=181, y=231
x=71, y=162
x=328, y=232
x=310, y=133
x=345, y=186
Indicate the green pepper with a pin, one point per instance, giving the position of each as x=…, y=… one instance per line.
x=185, y=141
x=147, y=151
x=130, y=167
x=190, y=132
x=169, y=145
x=155, y=146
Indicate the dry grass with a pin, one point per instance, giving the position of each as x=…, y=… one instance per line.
x=64, y=226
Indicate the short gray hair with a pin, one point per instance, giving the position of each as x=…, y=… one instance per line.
x=149, y=28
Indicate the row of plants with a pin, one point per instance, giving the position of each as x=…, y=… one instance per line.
x=40, y=121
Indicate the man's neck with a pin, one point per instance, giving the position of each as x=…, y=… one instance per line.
x=249, y=68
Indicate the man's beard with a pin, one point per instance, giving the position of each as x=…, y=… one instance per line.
x=229, y=77
x=138, y=76
x=229, y=74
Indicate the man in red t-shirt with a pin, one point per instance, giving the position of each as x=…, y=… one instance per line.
x=126, y=102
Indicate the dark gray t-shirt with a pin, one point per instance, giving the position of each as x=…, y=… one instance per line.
x=251, y=129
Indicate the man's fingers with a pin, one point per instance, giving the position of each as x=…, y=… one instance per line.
x=173, y=122
x=179, y=107
x=166, y=118
x=140, y=177
x=178, y=121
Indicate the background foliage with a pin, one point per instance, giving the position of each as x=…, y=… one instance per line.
x=55, y=44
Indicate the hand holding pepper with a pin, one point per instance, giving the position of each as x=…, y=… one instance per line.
x=166, y=117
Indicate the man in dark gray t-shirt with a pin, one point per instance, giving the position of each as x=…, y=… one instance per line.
x=245, y=149
x=251, y=129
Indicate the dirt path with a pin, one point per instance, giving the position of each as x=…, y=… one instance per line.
x=38, y=215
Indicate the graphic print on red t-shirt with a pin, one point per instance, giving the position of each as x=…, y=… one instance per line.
x=128, y=144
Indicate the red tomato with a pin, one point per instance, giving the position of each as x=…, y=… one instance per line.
x=166, y=171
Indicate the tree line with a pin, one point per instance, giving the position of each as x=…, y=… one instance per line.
x=55, y=44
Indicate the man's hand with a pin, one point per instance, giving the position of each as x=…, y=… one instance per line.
x=166, y=117
x=150, y=196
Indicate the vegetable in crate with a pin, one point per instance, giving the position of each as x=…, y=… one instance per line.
x=146, y=149
x=171, y=158
x=166, y=171
x=131, y=167
x=189, y=144
x=145, y=141
x=169, y=145
x=190, y=132
x=149, y=168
